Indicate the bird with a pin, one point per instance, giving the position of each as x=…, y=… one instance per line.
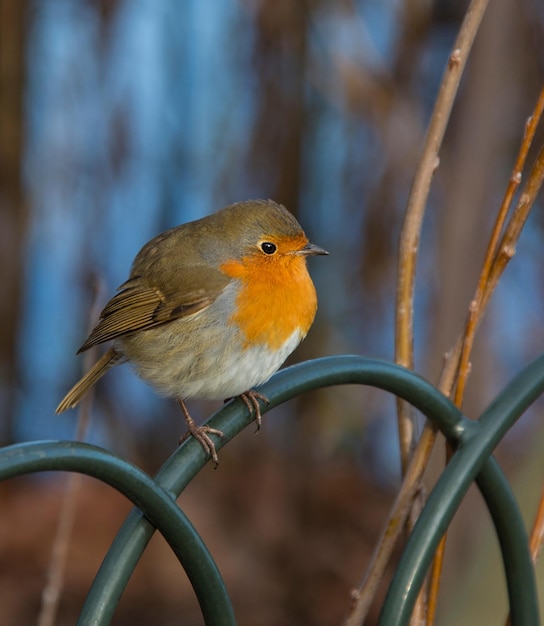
x=211, y=309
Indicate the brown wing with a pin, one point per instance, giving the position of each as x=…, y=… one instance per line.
x=139, y=306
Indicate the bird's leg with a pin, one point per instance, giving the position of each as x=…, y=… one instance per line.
x=200, y=433
x=251, y=400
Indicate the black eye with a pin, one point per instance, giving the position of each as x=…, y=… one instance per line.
x=268, y=248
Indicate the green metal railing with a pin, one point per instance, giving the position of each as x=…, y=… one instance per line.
x=156, y=508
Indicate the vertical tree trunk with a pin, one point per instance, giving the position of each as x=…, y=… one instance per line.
x=13, y=212
x=280, y=63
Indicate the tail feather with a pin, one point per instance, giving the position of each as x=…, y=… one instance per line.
x=71, y=399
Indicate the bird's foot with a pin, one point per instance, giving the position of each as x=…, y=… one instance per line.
x=251, y=400
x=201, y=434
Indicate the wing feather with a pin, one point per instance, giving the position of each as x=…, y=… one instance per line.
x=140, y=307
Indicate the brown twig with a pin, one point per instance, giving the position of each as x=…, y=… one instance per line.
x=492, y=249
x=413, y=468
x=51, y=593
x=537, y=533
x=537, y=537
x=364, y=595
x=438, y=561
x=498, y=253
x=415, y=210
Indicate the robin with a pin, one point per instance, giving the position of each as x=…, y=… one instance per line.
x=212, y=309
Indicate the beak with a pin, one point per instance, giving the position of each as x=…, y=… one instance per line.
x=310, y=249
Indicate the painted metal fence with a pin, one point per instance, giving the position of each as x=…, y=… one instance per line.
x=156, y=507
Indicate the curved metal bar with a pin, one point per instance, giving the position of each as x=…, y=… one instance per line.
x=514, y=543
x=290, y=382
x=511, y=533
x=155, y=503
x=477, y=442
x=446, y=496
x=185, y=463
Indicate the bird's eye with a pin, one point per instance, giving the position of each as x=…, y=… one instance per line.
x=268, y=248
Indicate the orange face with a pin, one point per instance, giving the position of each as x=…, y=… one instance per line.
x=277, y=296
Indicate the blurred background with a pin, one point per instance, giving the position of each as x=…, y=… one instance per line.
x=121, y=118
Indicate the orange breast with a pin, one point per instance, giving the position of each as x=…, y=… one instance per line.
x=276, y=299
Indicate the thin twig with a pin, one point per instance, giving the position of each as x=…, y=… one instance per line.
x=492, y=248
x=415, y=210
x=412, y=470
x=56, y=571
x=537, y=533
x=438, y=561
x=418, y=464
x=364, y=595
x=537, y=538
x=496, y=258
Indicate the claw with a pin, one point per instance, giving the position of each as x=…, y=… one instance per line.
x=200, y=433
x=251, y=400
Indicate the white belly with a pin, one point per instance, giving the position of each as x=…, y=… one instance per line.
x=177, y=361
